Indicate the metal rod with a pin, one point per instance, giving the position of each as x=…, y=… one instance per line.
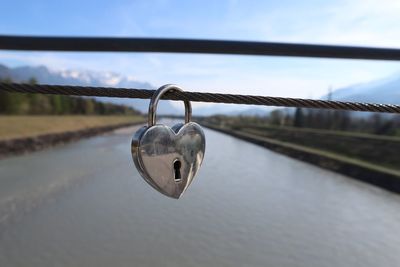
x=108, y=44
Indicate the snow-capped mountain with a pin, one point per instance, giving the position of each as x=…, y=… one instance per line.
x=386, y=90
x=72, y=77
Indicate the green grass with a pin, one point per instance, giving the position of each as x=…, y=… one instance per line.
x=28, y=126
x=324, y=153
x=321, y=131
x=371, y=149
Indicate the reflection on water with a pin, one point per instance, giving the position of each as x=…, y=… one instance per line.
x=84, y=204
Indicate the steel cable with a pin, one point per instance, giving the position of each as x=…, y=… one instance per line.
x=197, y=97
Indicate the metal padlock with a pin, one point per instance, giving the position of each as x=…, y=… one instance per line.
x=168, y=158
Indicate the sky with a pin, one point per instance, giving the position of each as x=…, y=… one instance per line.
x=354, y=22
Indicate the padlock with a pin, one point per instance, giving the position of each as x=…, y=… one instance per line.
x=168, y=158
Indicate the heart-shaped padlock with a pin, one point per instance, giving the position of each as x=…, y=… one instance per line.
x=168, y=158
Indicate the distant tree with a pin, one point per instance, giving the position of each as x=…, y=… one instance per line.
x=387, y=128
x=32, y=81
x=6, y=101
x=41, y=104
x=276, y=117
x=298, y=118
x=376, y=120
x=56, y=105
x=3, y=100
x=345, y=120
x=89, y=106
x=66, y=103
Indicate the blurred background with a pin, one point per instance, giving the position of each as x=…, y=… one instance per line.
x=71, y=196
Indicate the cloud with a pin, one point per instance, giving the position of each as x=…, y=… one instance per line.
x=348, y=22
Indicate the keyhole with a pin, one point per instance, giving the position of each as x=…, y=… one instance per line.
x=177, y=168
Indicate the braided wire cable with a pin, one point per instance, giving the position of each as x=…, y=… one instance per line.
x=197, y=97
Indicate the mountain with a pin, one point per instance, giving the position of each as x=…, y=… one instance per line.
x=87, y=78
x=260, y=111
x=214, y=109
x=385, y=91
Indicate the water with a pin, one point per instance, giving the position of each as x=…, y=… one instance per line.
x=84, y=204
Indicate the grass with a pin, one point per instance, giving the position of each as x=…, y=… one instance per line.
x=381, y=151
x=325, y=153
x=368, y=148
x=327, y=159
x=27, y=126
x=396, y=137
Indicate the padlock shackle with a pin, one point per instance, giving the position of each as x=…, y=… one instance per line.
x=156, y=97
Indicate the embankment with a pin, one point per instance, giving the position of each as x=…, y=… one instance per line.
x=375, y=149
x=17, y=146
x=383, y=177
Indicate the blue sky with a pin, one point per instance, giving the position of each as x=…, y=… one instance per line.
x=355, y=22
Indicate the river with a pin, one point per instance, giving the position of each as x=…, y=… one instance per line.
x=84, y=204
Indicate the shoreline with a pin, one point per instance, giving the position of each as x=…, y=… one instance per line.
x=373, y=174
x=24, y=145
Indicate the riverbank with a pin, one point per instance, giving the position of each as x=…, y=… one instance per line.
x=364, y=171
x=370, y=148
x=23, y=134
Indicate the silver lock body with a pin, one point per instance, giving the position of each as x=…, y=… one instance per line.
x=168, y=158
